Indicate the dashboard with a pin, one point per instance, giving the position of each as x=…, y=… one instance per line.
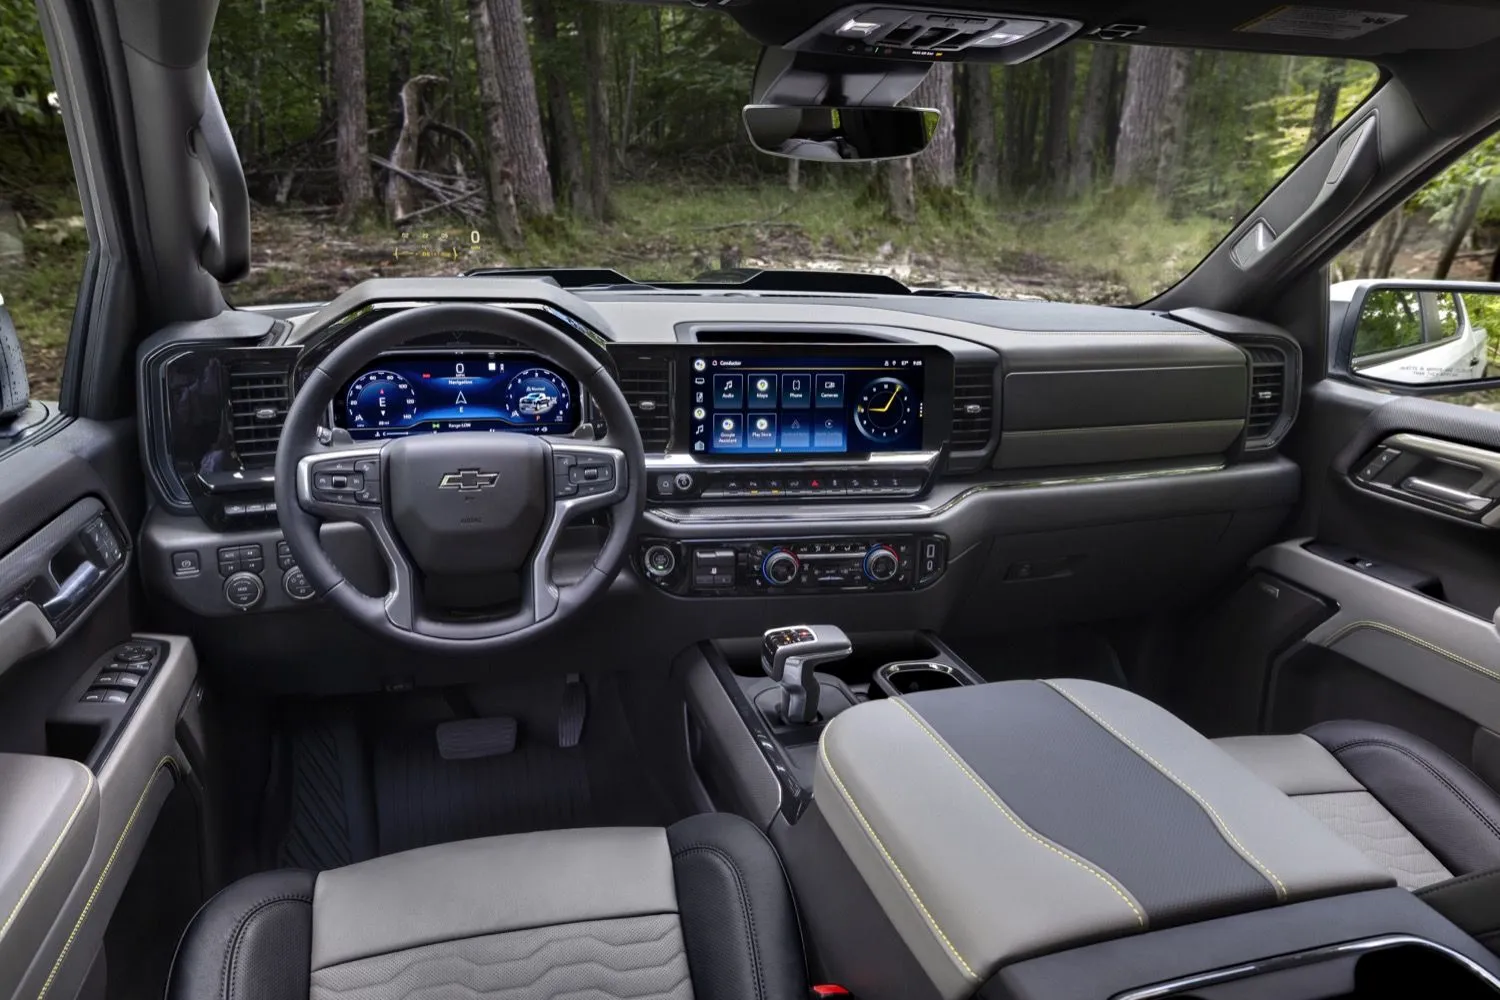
x=416, y=392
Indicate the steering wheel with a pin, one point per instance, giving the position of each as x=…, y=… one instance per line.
x=458, y=504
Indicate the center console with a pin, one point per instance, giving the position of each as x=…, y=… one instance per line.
x=1022, y=840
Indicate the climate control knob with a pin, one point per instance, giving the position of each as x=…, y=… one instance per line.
x=882, y=563
x=780, y=567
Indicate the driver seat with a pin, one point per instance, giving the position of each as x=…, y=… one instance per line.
x=701, y=909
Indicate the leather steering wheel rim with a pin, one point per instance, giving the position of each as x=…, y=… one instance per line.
x=301, y=517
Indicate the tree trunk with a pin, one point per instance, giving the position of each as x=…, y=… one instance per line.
x=400, y=65
x=984, y=151
x=901, y=194
x=356, y=189
x=1061, y=69
x=1385, y=262
x=566, y=146
x=596, y=110
x=1495, y=266
x=937, y=167
x=1089, y=149
x=400, y=199
x=502, y=190
x=1146, y=152
x=1463, y=221
x=1012, y=98
x=1374, y=239
x=1327, y=103
x=522, y=119
x=794, y=175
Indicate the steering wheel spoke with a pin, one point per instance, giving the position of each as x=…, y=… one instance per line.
x=349, y=484
x=585, y=478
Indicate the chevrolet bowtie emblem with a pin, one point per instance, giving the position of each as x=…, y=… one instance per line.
x=468, y=480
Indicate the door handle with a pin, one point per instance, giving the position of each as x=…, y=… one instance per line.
x=75, y=587
x=1428, y=490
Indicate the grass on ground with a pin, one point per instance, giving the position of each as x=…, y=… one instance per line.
x=1109, y=249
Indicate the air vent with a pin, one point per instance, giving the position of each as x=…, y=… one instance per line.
x=647, y=385
x=1268, y=369
x=258, y=403
x=973, y=406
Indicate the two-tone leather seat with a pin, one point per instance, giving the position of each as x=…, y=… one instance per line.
x=1407, y=805
x=700, y=909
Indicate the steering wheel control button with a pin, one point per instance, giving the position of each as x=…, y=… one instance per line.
x=660, y=561
x=244, y=591
x=297, y=586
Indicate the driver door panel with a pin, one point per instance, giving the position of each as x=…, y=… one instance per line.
x=69, y=508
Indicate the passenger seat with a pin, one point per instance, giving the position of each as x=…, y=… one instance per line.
x=1404, y=803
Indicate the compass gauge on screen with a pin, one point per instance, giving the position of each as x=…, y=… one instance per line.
x=380, y=398
x=884, y=410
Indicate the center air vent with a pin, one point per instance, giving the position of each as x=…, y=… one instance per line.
x=1268, y=377
x=647, y=385
x=973, y=407
x=258, y=403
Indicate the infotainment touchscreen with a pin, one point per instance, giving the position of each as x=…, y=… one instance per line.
x=754, y=404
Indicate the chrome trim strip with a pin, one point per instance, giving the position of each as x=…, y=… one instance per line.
x=834, y=513
x=1279, y=963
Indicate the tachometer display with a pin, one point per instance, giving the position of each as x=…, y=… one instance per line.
x=379, y=399
x=537, y=395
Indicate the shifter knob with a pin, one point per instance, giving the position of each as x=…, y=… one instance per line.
x=790, y=656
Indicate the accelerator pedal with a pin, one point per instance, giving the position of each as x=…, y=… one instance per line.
x=575, y=709
x=471, y=739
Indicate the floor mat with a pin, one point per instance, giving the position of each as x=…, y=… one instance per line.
x=365, y=777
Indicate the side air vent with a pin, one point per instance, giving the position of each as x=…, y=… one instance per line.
x=973, y=407
x=1268, y=395
x=258, y=400
x=647, y=385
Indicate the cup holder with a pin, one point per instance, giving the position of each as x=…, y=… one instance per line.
x=914, y=676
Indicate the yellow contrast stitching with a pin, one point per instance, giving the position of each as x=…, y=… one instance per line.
x=931, y=920
x=1218, y=820
x=1382, y=627
x=1139, y=916
x=56, y=845
x=89, y=905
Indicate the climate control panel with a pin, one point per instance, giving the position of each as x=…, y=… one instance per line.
x=738, y=568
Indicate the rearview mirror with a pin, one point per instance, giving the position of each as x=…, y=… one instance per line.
x=819, y=133
x=1434, y=333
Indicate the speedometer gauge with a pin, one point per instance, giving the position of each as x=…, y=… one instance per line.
x=380, y=399
x=537, y=396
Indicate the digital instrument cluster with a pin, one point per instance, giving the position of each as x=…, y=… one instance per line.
x=414, y=393
x=745, y=405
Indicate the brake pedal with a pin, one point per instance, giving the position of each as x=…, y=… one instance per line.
x=575, y=709
x=471, y=739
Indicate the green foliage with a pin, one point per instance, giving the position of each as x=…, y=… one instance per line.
x=25, y=73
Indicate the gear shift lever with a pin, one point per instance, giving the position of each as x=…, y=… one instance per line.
x=790, y=656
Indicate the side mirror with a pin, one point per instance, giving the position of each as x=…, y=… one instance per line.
x=821, y=133
x=1422, y=333
x=15, y=388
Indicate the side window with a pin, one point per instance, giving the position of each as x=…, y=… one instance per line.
x=43, y=239
x=1426, y=331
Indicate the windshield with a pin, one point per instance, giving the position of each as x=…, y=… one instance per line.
x=544, y=133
